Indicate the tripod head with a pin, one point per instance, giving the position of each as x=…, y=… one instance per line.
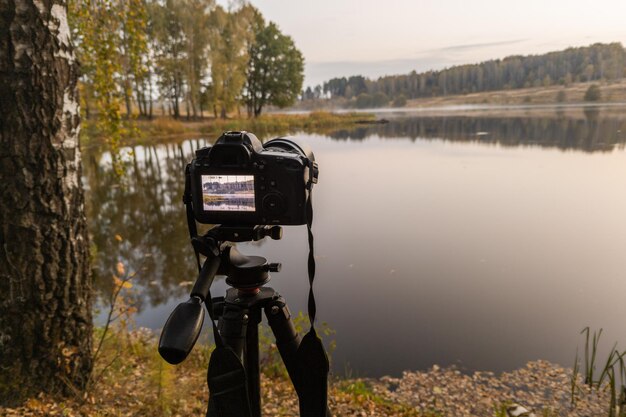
x=243, y=272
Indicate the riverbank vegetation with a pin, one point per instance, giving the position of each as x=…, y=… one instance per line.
x=160, y=128
x=599, y=63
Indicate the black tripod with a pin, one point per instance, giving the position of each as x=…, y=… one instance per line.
x=235, y=383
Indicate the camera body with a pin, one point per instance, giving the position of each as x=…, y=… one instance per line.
x=240, y=181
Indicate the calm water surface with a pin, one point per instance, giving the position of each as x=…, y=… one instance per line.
x=483, y=242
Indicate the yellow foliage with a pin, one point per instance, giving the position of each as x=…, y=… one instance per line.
x=120, y=268
x=119, y=283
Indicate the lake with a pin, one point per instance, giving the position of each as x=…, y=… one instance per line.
x=476, y=239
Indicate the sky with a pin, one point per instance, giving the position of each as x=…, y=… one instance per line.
x=375, y=38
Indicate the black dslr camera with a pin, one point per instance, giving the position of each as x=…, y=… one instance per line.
x=240, y=181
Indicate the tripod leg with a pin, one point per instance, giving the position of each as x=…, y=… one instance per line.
x=287, y=340
x=251, y=361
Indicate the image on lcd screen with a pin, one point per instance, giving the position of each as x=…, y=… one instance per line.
x=228, y=192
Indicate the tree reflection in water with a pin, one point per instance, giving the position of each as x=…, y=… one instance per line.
x=591, y=133
x=143, y=207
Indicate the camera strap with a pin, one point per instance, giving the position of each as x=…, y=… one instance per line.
x=191, y=221
x=311, y=357
x=226, y=376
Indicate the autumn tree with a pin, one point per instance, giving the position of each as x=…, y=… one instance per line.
x=275, y=71
x=45, y=311
x=145, y=80
x=232, y=38
x=170, y=45
x=195, y=16
x=133, y=50
x=112, y=46
x=96, y=24
x=180, y=29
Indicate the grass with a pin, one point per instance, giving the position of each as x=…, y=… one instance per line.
x=361, y=394
x=613, y=92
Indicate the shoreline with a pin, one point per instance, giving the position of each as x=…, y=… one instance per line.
x=616, y=110
x=540, y=387
x=612, y=94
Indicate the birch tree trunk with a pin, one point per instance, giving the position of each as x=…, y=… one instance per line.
x=45, y=287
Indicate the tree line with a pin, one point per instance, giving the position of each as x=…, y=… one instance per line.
x=191, y=56
x=598, y=62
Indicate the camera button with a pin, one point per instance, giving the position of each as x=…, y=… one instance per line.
x=273, y=204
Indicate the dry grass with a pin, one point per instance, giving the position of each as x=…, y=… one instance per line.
x=574, y=93
x=163, y=128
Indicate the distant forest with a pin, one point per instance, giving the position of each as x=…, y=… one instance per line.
x=598, y=62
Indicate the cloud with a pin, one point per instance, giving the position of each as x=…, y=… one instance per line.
x=477, y=45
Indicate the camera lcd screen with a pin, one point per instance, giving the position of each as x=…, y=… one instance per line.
x=228, y=192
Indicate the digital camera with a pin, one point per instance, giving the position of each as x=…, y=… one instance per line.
x=240, y=181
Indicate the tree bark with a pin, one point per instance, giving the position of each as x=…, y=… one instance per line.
x=127, y=98
x=45, y=308
x=150, y=95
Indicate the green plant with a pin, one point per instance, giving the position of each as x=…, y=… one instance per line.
x=362, y=393
x=499, y=410
x=549, y=412
x=358, y=387
x=590, y=353
x=614, y=370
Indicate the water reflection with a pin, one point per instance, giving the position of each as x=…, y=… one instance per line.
x=495, y=255
x=592, y=133
x=141, y=215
